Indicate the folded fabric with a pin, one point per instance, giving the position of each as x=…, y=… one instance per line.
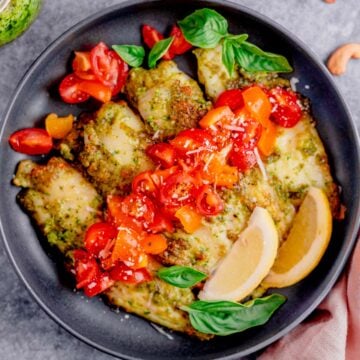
x=332, y=332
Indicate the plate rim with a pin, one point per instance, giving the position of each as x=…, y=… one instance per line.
x=229, y=5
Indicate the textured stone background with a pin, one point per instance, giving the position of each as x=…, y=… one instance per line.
x=26, y=332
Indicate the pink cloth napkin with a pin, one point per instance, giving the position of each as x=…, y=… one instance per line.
x=333, y=331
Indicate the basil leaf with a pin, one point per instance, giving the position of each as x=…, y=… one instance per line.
x=131, y=54
x=231, y=42
x=159, y=50
x=252, y=58
x=228, y=317
x=204, y=28
x=181, y=276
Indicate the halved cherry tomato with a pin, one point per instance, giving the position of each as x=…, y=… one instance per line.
x=69, y=90
x=178, y=190
x=31, y=141
x=189, y=218
x=86, y=268
x=222, y=113
x=159, y=176
x=151, y=36
x=286, y=111
x=82, y=65
x=153, y=244
x=193, y=140
x=232, y=98
x=144, y=184
x=208, y=201
x=98, y=235
x=58, y=127
x=162, y=154
x=161, y=223
x=108, y=67
x=125, y=274
x=179, y=45
x=257, y=102
x=242, y=156
x=96, y=89
x=128, y=250
x=99, y=285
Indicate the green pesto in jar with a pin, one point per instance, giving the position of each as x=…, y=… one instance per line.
x=15, y=17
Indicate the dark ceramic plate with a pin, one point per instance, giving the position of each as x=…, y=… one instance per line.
x=89, y=319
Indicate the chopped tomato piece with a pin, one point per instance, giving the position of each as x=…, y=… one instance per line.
x=153, y=244
x=232, y=98
x=144, y=184
x=151, y=36
x=208, y=201
x=58, y=127
x=97, y=237
x=161, y=223
x=268, y=138
x=125, y=274
x=159, y=176
x=257, y=102
x=31, y=141
x=69, y=90
x=162, y=154
x=222, y=113
x=108, y=67
x=179, y=45
x=86, y=268
x=286, y=110
x=98, y=285
x=178, y=190
x=82, y=65
x=189, y=218
x=96, y=89
x=242, y=156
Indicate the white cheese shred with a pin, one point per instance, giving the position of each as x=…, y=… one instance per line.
x=293, y=82
x=162, y=331
x=261, y=164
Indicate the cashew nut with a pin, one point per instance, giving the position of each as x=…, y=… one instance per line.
x=341, y=56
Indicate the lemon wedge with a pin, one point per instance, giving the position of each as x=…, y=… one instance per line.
x=306, y=244
x=248, y=261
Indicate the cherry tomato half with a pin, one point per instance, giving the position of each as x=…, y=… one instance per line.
x=99, y=285
x=69, y=90
x=232, y=98
x=286, y=110
x=82, y=66
x=179, y=45
x=208, y=201
x=144, y=184
x=31, y=141
x=98, y=235
x=96, y=89
x=108, y=67
x=242, y=156
x=162, y=154
x=86, y=268
x=150, y=35
x=125, y=274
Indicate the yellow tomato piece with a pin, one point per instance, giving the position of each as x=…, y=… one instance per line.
x=222, y=113
x=189, y=218
x=58, y=127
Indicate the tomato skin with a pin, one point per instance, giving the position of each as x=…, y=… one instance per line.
x=162, y=154
x=96, y=89
x=97, y=236
x=81, y=65
x=242, y=157
x=99, y=285
x=179, y=45
x=232, y=98
x=125, y=274
x=86, y=268
x=161, y=223
x=108, y=67
x=150, y=35
x=31, y=141
x=208, y=201
x=286, y=111
x=69, y=90
x=144, y=184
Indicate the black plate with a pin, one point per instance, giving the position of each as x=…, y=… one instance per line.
x=89, y=319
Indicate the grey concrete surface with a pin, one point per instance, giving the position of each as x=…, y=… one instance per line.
x=26, y=332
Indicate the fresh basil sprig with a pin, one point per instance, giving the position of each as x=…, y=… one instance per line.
x=204, y=28
x=228, y=317
x=131, y=54
x=159, y=50
x=252, y=58
x=229, y=48
x=181, y=276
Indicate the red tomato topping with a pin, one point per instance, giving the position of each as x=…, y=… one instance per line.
x=161, y=223
x=162, y=154
x=32, y=141
x=108, y=67
x=208, y=201
x=242, y=156
x=98, y=236
x=286, y=110
x=125, y=274
x=150, y=35
x=95, y=89
x=232, y=98
x=144, y=184
x=69, y=90
x=99, y=285
x=179, y=45
x=86, y=268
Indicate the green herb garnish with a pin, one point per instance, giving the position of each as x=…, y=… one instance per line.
x=181, y=276
x=131, y=54
x=159, y=50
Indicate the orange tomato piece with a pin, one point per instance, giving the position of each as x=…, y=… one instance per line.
x=58, y=127
x=96, y=89
x=81, y=61
x=258, y=103
x=222, y=113
x=153, y=244
x=189, y=218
